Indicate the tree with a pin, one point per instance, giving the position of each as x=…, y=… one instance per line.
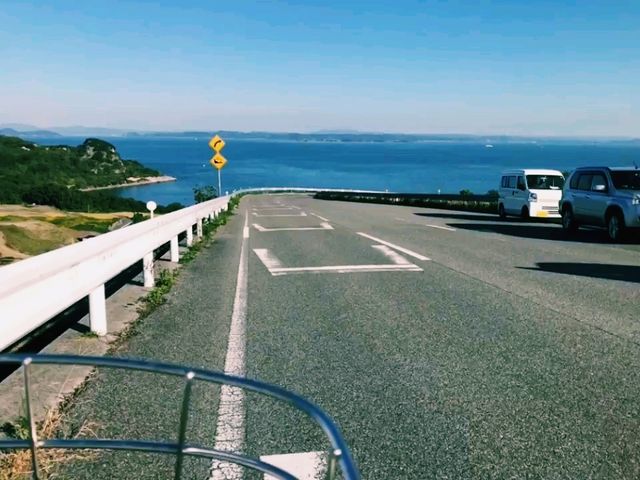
x=466, y=193
x=203, y=194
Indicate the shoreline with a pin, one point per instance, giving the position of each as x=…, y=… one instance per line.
x=146, y=181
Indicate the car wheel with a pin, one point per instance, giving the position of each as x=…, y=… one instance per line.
x=569, y=223
x=501, y=211
x=615, y=227
x=524, y=213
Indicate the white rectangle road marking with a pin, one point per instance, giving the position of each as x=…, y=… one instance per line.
x=449, y=229
x=395, y=247
x=346, y=269
x=323, y=226
x=259, y=209
x=303, y=465
x=321, y=218
x=396, y=258
x=301, y=214
x=274, y=265
x=230, y=427
x=270, y=261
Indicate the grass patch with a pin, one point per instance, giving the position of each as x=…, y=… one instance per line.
x=157, y=296
x=18, y=218
x=16, y=464
x=22, y=240
x=83, y=223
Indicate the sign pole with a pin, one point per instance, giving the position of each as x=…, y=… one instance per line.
x=217, y=161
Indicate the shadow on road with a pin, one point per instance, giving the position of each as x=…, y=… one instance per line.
x=625, y=273
x=540, y=231
x=485, y=217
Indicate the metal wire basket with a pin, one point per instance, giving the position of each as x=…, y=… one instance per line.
x=339, y=456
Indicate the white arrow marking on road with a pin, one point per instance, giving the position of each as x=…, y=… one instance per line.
x=303, y=466
x=260, y=228
x=395, y=247
x=321, y=218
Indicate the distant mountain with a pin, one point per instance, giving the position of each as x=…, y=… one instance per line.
x=11, y=132
x=82, y=131
x=19, y=127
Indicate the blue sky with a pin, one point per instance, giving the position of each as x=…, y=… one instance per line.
x=519, y=67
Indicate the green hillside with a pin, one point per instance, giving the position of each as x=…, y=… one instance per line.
x=54, y=175
x=94, y=163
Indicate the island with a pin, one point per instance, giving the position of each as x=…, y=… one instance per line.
x=52, y=196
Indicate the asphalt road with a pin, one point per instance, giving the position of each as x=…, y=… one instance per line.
x=509, y=353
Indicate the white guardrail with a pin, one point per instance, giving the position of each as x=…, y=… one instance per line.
x=36, y=289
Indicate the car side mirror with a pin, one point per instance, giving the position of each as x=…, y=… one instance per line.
x=599, y=188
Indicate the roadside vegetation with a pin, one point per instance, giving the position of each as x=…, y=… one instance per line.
x=16, y=464
x=465, y=200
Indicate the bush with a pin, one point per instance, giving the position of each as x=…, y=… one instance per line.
x=203, y=194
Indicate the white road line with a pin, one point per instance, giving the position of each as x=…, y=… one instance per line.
x=449, y=229
x=301, y=214
x=321, y=218
x=426, y=225
x=395, y=247
x=270, y=261
x=303, y=466
x=230, y=428
x=396, y=258
x=260, y=228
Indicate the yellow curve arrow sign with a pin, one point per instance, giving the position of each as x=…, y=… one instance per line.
x=218, y=161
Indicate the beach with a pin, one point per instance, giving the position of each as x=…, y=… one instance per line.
x=135, y=182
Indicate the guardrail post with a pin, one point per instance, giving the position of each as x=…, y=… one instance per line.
x=199, y=229
x=190, y=236
x=175, y=251
x=147, y=267
x=98, y=311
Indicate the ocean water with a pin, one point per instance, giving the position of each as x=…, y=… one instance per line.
x=424, y=167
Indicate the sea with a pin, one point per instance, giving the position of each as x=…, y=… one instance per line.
x=408, y=167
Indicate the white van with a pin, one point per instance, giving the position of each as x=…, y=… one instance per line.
x=530, y=193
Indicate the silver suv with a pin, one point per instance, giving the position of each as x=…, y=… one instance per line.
x=602, y=196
